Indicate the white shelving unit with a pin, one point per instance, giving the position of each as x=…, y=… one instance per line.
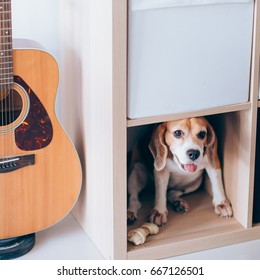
x=94, y=71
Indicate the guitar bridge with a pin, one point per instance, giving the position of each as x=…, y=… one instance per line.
x=10, y=164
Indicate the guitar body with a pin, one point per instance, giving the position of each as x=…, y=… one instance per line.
x=40, y=172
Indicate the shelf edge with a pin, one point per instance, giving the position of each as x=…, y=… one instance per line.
x=195, y=245
x=204, y=112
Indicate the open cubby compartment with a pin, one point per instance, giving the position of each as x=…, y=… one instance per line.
x=201, y=228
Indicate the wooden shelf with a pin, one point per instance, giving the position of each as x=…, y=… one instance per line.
x=185, y=233
x=205, y=112
x=101, y=139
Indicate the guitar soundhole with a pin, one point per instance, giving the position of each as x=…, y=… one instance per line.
x=11, y=105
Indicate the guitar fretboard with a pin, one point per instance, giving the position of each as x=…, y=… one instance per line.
x=6, y=58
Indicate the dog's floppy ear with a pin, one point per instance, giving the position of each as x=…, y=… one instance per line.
x=212, y=145
x=158, y=148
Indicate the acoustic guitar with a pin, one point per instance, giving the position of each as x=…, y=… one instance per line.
x=40, y=172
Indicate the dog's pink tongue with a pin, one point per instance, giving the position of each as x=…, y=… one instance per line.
x=190, y=167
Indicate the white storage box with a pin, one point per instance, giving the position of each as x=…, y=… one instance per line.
x=187, y=55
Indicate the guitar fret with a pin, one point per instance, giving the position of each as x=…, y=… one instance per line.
x=6, y=81
x=5, y=18
x=5, y=84
x=4, y=78
x=5, y=64
x=6, y=74
x=9, y=74
x=5, y=49
x=6, y=71
x=6, y=29
x=6, y=37
x=6, y=68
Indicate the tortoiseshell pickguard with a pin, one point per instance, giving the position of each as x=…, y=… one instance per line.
x=36, y=131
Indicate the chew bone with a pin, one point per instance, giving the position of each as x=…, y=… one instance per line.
x=138, y=235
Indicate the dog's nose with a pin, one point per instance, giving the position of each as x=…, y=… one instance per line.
x=193, y=154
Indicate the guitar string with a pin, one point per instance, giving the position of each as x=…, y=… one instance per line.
x=5, y=72
x=4, y=58
x=2, y=86
x=7, y=75
x=8, y=61
x=3, y=54
x=6, y=65
x=5, y=80
x=11, y=51
x=11, y=65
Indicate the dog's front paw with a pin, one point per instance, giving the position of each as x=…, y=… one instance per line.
x=180, y=205
x=224, y=209
x=131, y=217
x=158, y=218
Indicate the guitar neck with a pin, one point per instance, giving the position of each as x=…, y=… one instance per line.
x=6, y=58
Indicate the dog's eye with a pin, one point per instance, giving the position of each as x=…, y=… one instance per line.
x=178, y=133
x=201, y=134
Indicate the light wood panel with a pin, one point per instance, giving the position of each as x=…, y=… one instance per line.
x=252, y=117
x=99, y=56
x=119, y=125
x=205, y=112
x=199, y=229
x=94, y=82
x=87, y=47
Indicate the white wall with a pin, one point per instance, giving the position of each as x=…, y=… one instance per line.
x=37, y=20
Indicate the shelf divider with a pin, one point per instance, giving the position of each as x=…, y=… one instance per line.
x=204, y=112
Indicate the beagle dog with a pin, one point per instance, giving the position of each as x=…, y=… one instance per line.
x=180, y=151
